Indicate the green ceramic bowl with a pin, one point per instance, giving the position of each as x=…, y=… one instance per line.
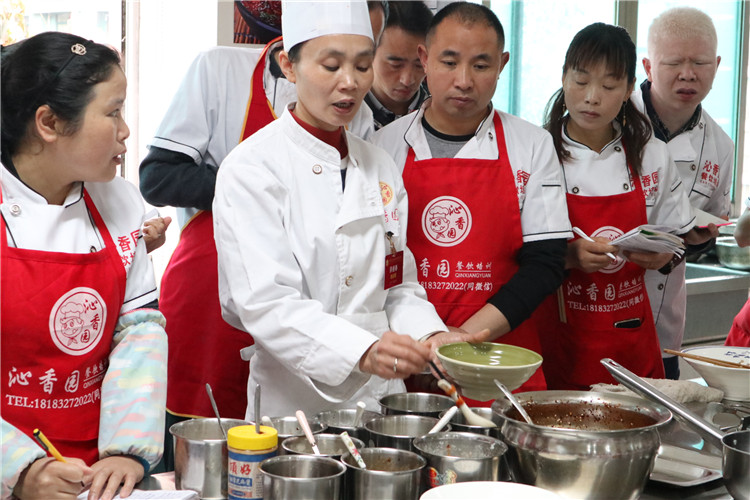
x=474, y=367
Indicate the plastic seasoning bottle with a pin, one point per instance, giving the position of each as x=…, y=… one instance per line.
x=247, y=449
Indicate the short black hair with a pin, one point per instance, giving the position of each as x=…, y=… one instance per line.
x=468, y=13
x=383, y=4
x=412, y=17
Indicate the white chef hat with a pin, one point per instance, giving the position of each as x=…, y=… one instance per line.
x=303, y=20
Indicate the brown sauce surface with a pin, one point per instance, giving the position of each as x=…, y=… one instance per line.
x=583, y=415
x=388, y=465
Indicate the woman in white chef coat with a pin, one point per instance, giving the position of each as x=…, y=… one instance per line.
x=83, y=356
x=310, y=225
x=617, y=178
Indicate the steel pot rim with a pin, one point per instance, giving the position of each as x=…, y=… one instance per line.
x=661, y=414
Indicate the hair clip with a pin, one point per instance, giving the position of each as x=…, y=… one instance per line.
x=78, y=49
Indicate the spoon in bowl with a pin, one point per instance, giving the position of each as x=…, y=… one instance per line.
x=514, y=401
x=216, y=409
x=305, y=425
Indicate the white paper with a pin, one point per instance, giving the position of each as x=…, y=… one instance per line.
x=650, y=238
x=703, y=219
x=152, y=495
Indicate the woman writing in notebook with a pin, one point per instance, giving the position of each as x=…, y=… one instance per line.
x=617, y=178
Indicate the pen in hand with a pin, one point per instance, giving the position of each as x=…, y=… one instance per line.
x=587, y=238
x=47, y=446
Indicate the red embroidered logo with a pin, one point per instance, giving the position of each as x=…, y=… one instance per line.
x=386, y=193
x=77, y=320
x=710, y=174
x=522, y=178
x=611, y=233
x=446, y=221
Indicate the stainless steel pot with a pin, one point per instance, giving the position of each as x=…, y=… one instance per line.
x=735, y=446
x=415, y=403
x=457, y=457
x=289, y=426
x=301, y=477
x=731, y=255
x=398, y=431
x=200, y=455
x=390, y=474
x=588, y=462
x=458, y=423
x=342, y=420
x=330, y=445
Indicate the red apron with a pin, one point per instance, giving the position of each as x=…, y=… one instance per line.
x=58, y=316
x=455, y=209
x=739, y=334
x=594, y=302
x=203, y=348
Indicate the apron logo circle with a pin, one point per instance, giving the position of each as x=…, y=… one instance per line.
x=611, y=233
x=386, y=193
x=446, y=221
x=77, y=320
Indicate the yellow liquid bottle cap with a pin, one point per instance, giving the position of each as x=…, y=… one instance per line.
x=244, y=437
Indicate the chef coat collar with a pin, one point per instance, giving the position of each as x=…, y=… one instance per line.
x=383, y=116
x=328, y=154
x=568, y=142
x=415, y=133
x=14, y=188
x=661, y=132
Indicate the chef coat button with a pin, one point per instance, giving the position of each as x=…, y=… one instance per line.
x=491, y=136
x=661, y=286
x=693, y=167
x=15, y=209
x=625, y=186
x=348, y=281
x=575, y=190
x=317, y=169
x=92, y=249
x=700, y=126
x=618, y=148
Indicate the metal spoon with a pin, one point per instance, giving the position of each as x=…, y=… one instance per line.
x=514, y=401
x=257, y=409
x=216, y=410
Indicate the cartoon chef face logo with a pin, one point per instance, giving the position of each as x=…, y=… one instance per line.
x=446, y=221
x=77, y=321
x=611, y=233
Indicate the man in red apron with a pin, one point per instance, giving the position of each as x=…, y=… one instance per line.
x=487, y=216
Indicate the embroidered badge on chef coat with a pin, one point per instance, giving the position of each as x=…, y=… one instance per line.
x=386, y=193
x=446, y=221
x=77, y=321
x=611, y=233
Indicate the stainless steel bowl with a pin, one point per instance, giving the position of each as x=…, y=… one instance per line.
x=342, y=420
x=330, y=445
x=390, y=474
x=415, y=403
x=731, y=255
x=302, y=477
x=458, y=422
x=289, y=426
x=398, y=431
x=592, y=461
x=457, y=457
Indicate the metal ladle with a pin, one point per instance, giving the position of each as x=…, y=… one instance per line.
x=514, y=401
x=216, y=409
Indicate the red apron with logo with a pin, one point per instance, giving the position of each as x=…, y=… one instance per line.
x=596, y=302
x=203, y=348
x=58, y=317
x=465, y=233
